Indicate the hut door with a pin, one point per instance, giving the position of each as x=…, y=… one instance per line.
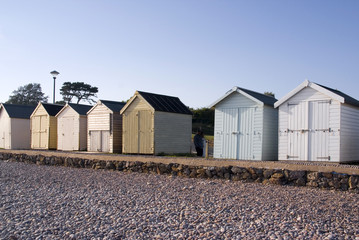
x=229, y=138
x=39, y=132
x=2, y=139
x=245, y=133
x=297, y=131
x=100, y=141
x=68, y=134
x=95, y=141
x=145, y=132
x=105, y=141
x=318, y=131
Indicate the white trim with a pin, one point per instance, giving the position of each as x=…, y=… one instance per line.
x=37, y=107
x=236, y=89
x=136, y=95
x=305, y=84
x=62, y=109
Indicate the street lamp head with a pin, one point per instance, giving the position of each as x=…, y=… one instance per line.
x=54, y=73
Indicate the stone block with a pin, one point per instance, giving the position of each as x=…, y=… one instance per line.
x=353, y=182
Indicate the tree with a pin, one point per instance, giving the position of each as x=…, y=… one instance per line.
x=78, y=90
x=271, y=94
x=30, y=94
x=203, y=118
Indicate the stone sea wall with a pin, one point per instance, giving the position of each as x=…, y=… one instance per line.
x=325, y=180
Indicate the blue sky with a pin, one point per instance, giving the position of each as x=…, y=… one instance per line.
x=195, y=50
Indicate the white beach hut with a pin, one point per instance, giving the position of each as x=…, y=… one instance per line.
x=317, y=123
x=245, y=126
x=72, y=127
x=15, y=126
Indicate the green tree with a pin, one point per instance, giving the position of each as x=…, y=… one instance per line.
x=29, y=94
x=269, y=94
x=79, y=91
x=203, y=118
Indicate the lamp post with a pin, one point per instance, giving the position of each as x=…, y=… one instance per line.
x=54, y=75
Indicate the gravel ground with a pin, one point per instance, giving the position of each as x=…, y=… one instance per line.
x=47, y=202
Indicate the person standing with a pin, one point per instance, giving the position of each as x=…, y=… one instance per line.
x=198, y=143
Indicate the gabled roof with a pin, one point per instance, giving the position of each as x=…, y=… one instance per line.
x=112, y=105
x=347, y=99
x=52, y=109
x=18, y=111
x=255, y=96
x=81, y=109
x=161, y=103
x=332, y=93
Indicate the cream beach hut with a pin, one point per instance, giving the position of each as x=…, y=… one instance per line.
x=154, y=123
x=44, y=126
x=72, y=127
x=15, y=126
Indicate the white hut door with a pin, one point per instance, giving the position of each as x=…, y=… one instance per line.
x=68, y=134
x=105, y=141
x=245, y=137
x=318, y=131
x=230, y=133
x=297, y=131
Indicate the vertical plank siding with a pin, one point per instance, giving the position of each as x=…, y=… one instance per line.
x=43, y=130
x=20, y=133
x=117, y=132
x=349, y=130
x=270, y=134
x=5, y=126
x=68, y=130
x=243, y=129
x=133, y=129
x=309, y=127
x=83, y=133
x=172, y=132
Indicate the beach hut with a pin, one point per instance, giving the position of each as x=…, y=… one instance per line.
x=104, y=127
x=154, y=123
x=15, y=126
x=72, y=127
x=245, y=126
x=44, y=126
x=318, y=123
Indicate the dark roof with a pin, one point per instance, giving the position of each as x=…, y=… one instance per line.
x=80, y=108
x=267, y=100
x=52, y=109
x=164, y=103
x=19, y=111
x=114, y=106
x=347, y=99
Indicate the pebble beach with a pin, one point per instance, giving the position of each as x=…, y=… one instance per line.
x=52, y=202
